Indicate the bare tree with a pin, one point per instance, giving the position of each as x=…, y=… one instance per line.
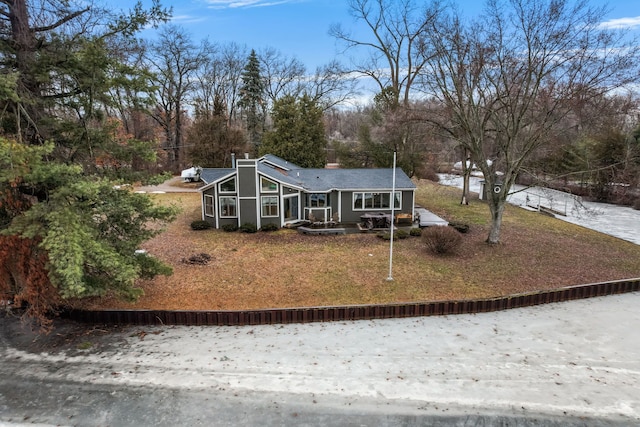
x=131, y=102
x=207, y=82
x=218, y=79
x=330, y=85
x=211, y=140
x=395, y=59
x=174, y=60
x=567, y=160
x=508, y=80
x=233, y=58
x=283, y=76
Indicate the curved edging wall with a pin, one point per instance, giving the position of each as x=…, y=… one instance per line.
x=350, y=312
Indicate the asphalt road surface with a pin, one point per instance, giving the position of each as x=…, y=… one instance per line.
x=566, y=364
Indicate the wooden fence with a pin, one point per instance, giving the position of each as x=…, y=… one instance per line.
x=350, y=312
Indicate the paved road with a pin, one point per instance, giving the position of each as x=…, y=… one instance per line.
x=574, y=363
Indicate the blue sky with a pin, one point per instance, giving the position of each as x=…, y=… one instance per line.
x=300, y=27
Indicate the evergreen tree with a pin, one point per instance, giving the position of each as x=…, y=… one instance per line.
x=89, y=229
x=252, y=99
x=65, y=62
x=298, y=134
x=59, y=150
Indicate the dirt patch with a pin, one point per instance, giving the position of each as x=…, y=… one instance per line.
x=197, y=259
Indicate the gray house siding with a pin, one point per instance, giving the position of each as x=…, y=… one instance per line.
x=296, y=192
x=266, y=221
x=248, y=212
x=210, y=219
x=248, y=196
x=228, y=221
x=216, y=220
x=349, y=215
x=247, y=178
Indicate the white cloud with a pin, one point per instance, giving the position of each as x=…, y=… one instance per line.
x=621, y=23
x=187, y=19
x=231, y=4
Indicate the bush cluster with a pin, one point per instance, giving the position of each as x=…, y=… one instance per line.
x=248, y=227
x=200, y=225
x=400, y=234
x=415, y=232
x=230, y=228
x=441, y=240
x=269, y=227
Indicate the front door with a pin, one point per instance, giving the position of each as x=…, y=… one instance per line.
x=291, y=208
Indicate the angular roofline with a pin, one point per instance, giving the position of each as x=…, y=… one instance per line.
x=275, y=178
x=278, y=162
x=296, y=177
x=215, y=181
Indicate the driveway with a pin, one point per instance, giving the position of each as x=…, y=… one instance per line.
x=574, y=363
x=173, y=185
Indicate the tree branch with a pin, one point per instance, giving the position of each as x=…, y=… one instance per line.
x=60, y=22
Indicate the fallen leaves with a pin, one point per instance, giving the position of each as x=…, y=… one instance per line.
x=288, y=269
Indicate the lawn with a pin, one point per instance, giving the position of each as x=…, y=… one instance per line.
x=287, y=269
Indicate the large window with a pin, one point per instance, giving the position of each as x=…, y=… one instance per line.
x=382, y=200
x=291, y=208
x=228, y=207
x=208, y=205
x=269, y=206
x=318, y=200
x=268, y=186
x=228, y=186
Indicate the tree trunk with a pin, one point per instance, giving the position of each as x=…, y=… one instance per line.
x=496, y=206
x=23, y=38
x=466, y=175
x=24, y=43
x=465, y=187
x=178, y=139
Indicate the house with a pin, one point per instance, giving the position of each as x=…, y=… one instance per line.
x=271, y=190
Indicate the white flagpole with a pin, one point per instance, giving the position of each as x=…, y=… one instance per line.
x=393, y=206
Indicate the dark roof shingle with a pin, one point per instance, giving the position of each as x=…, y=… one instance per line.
x=319, y=180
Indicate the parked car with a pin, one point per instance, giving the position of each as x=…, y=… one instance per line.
x=192, y=174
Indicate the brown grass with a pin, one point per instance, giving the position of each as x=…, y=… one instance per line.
x=287, y=269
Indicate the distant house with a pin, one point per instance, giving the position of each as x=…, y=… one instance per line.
x=270, y=190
